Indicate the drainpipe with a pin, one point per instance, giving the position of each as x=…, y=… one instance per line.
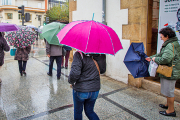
x=46, y=2
x=104, y=12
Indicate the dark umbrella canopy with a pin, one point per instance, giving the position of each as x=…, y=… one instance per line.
x=135, y=60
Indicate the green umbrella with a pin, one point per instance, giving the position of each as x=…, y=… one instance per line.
x=50, y=31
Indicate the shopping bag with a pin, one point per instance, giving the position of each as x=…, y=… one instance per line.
x=152, y=68
x=13, y=51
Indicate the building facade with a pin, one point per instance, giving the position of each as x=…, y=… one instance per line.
x=52, y=3
x=36, y=8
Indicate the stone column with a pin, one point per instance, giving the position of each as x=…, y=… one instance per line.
x=137, y=27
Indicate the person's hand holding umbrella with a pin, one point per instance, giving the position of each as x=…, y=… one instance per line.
x=148, y=59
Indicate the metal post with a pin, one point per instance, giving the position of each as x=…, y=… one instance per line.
x=104, y=12
x=22, y=20
x=40, y=20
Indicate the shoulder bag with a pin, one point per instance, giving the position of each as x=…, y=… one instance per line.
x=97, y=66
x=13, y=51
x=164, y=69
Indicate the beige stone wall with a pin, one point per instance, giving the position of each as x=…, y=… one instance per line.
x=72, y=7
x=136, y=30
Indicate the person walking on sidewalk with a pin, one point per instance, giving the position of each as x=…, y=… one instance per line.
x=166, y=57
x=84, y=78
x=68, y=49
x=3, y=47
x=22, y=55
x=54, y=52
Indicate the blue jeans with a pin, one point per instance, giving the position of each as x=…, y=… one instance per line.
x=86, y=99
x=22, y=65
x=58, y=62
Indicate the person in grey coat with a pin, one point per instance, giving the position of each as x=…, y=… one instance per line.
x=3, y=47
x=54, y=52
x=22, y=56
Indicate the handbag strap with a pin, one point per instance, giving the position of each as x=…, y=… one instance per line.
x=173, y=55
x=97, y=66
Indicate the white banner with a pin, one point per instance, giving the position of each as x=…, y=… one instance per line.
x=169, y=16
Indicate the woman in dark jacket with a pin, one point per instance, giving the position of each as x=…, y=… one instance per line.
x=169, y=54
x=22, y=56
x=3, y=47
x=85, y=80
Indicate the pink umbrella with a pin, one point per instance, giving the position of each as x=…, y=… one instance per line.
x=90, y=37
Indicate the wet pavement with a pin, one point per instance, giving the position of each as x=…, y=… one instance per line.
x=38, y=96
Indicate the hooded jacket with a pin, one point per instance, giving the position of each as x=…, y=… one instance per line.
x=165, y=57
x=22, y=53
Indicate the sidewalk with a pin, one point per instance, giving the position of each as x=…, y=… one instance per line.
x=40, y=97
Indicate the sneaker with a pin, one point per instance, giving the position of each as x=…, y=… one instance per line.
x=62, y=67
x=58, y=78
x=23, y=72
x=49, y=74
x=66, y=67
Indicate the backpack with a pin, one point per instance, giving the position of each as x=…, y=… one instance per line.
x=100, y=59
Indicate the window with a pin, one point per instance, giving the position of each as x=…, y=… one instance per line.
x=19, y=16
x=25, y=3
x=9, y=16
x=6, y=2
x=39, y=5
x=39, y=17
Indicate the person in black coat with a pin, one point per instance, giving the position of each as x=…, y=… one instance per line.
x=3, y=47
x=84, y=78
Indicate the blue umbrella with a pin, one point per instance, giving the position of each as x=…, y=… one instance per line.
x=32, y=26
x=135, y=60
